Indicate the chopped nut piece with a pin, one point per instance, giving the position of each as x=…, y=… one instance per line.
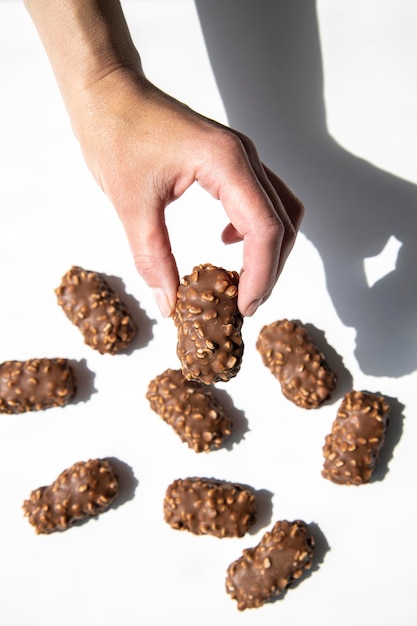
x=356, y=438
x=208, y=322
x=35, y=385
x=302, y=371
x=265, y=571
x=96, y=310
x=85, y=489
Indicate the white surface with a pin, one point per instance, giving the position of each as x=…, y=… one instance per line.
x=129, y=567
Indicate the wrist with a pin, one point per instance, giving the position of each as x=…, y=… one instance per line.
x=85, y=40
x=107, y=102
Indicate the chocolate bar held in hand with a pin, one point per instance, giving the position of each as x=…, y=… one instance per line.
x=262, y=573
x=351, y=449
x=35, y=384
x=287, y=350
x=208, y=321
x=190, y=409
x=84, y=490
x=207, y=506
x=89, y=303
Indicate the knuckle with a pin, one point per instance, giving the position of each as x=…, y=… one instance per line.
x=150, y=264
x=274, y=226
x=228, y=142
x=145, y=265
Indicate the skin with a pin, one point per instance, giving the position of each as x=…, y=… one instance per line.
x=145, y=148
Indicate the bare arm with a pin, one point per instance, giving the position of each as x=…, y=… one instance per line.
x=145, y=149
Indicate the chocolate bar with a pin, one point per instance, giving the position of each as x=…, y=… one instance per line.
x=351, y=449
x=208, y=321
x=35, y=384
x=287, y=350
x=207, y=506
x=262, y=573
x=84, y=490
x=90, y=304
x=190, y=409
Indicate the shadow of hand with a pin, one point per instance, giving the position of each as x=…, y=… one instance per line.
x=266, y=58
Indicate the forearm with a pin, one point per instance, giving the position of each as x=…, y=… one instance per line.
x=85, y=40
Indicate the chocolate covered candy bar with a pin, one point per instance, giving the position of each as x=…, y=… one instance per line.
x=96, y=310
x=287, y=350
x=207, y=506
x=190, y=409
x=351, y=449
x=265, y=571
x=35, y=384
x=84, y=490
x=208, y=322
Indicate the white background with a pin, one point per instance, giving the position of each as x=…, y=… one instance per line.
x=128, y=567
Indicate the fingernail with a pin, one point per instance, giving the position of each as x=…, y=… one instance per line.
x=251, y=309
x=161, y=300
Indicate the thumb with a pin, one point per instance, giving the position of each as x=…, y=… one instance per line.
x=149, y=242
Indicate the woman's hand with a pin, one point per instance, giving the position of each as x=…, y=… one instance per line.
x=145, y=149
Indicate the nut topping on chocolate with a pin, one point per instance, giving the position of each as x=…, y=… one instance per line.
x=190, y=409
x=207, y=506
x=96, y=310
x=351, y=450
x=262, y=573
x=35, y=384
x=208, y=322
x=289, y=353
x=84, y=490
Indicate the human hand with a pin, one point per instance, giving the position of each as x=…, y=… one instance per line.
x=145, y=149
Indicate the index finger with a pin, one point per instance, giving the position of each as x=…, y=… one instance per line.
x=255, y=219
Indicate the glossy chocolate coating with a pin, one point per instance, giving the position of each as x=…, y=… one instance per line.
x=190, y=409
x=287, y=350
x=351, y=450
x=265, y=571
x=96, y=310
x=207, y=506
x=208, y=321
x=84, y=490
x=35, y=384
